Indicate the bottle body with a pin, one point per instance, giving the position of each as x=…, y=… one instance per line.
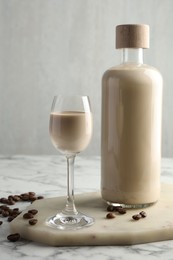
x=131, y=135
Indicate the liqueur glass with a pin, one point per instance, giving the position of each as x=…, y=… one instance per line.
x=70, y=130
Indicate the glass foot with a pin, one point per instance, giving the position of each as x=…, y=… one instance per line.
x=72, y=222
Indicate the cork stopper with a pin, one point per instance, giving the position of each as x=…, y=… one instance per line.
x=132, y=36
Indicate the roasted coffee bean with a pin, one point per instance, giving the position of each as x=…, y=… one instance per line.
x=25, y=197
x=1, y=222
x=110, y=208
x=28, y=215
x=10, y=202
x=33, y=221
x=121, y=211
x=10, y=197
x=110, y=215
x=40, y=197
x=13, y=237
x=4, y=207
x=136, y=217
x=31, y=193
x=7, y=201
x=14, y=213
x=16, y=209
x=5, y=213
x=32, y=198
x=143, y=214
x=116, y=208
x=33, y=211
x=16, y=198
x=10, y=218
x=4, y=201
x=24, y=194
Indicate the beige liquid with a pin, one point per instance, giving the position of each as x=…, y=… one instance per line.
x=70, y=131
x=131, y=135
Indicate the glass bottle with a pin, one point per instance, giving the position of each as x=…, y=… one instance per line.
x=131, y=124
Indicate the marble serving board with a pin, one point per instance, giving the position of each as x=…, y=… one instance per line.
x=122, y=230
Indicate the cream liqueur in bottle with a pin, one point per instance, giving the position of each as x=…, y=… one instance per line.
x=131, y=124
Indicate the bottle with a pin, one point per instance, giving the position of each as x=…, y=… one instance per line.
x=131, y=124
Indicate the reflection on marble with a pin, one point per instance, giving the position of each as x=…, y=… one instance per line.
x=47, y=176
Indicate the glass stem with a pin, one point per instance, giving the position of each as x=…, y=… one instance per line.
x=70, y=208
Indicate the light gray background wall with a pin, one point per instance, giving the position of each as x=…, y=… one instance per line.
x=59, y=46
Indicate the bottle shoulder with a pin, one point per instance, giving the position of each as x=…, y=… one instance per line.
x=132, y=69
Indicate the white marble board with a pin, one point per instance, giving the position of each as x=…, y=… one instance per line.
x=122, y=230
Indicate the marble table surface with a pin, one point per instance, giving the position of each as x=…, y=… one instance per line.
x=46, y=175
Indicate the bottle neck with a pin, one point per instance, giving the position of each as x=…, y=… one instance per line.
x=132, y=55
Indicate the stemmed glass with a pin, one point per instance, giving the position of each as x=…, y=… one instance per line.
x=70, y=131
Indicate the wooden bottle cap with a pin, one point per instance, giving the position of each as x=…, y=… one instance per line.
x=132, y=36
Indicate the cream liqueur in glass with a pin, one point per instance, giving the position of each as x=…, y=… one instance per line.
x=70, y=130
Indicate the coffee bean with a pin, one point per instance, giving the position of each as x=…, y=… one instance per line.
x=16, y=209
x=31, y=193
x=10, y=197
x=33, y=211
x=1, y=223
x=16, y=198
x=110, y=208
x=5, y=213
x=28, y=215
x=110, y=215
x=4, y=201
x=136, y=217
x=4, y=207
x=10, y=202
x=15, y=213
x=117, y=208
x=13, y=237
x=32, y=198
x=33, y=221
x=25, y=197
x=24, y=194
x=121, y=211
x=10, y=218
x=40, y=197
x=143, y=214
